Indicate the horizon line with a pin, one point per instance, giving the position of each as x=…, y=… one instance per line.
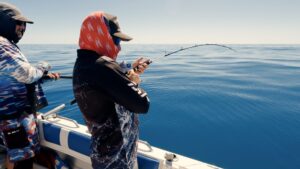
x=168, y=43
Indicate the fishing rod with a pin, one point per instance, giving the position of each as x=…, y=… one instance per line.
x=149, y=61
x=61, y=76
x=198, y=45
x=66, y=77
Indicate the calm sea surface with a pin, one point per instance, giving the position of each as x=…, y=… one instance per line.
x=237, y=110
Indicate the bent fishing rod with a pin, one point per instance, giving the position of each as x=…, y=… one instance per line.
x=198, y=45
x=149, y=61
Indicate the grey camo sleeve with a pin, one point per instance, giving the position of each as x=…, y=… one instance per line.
x=15, y=64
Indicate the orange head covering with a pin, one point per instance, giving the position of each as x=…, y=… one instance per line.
x=95, y=36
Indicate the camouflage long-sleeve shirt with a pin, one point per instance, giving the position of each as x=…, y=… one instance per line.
x=15, y=73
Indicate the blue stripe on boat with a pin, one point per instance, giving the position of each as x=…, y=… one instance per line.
x=51, y=133
x=79, y=143
x=147, y=163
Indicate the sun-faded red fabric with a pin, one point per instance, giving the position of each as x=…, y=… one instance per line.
x=95, y=36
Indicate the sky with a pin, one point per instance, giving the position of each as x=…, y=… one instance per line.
x=168, y=21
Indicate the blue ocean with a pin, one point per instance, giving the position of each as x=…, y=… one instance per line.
x=236, y=110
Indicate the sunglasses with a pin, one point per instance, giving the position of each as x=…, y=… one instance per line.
x=20, y=23
x=112, y=29
x=116, y=40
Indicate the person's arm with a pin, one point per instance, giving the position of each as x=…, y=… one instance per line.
x=16, y=65
x=121, y=89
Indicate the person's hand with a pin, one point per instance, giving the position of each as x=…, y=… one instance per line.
x=54, y=76
x=140, y=65
x=133, y=76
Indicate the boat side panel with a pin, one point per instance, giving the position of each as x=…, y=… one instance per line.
x=147, y=163
x=79, y=143
x=54, y=130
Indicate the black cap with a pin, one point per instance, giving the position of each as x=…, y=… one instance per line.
x=13, y=12
x=114, y=25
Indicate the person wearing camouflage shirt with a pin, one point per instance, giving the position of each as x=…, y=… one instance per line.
x=19, y=96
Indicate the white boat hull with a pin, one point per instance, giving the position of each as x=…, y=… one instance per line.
x=72, y=142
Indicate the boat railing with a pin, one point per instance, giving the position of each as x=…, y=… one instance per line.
x=53, y=113
x=146, y=144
